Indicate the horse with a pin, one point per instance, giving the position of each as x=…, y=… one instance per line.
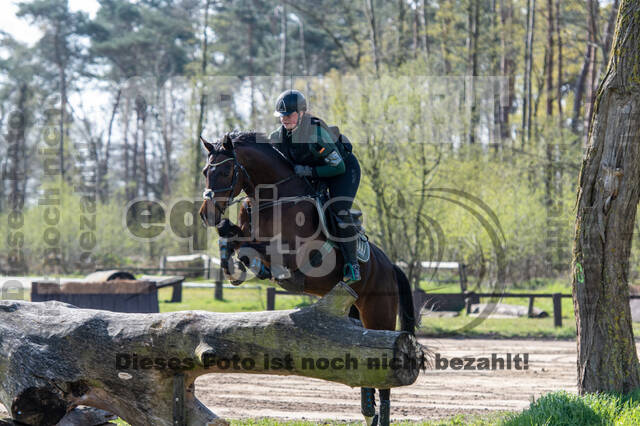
x=244, y=161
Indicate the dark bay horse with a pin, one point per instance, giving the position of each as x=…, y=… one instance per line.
x=244, y=161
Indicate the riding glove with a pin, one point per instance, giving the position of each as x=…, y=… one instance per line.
x=303, y=170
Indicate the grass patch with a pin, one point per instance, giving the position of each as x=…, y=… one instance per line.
x=506, y=328
x=234, y=300
x=565, y=409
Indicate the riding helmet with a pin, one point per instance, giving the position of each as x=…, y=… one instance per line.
x=290, y=101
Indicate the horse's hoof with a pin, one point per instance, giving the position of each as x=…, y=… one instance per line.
x=371, y=421
x=385, y=413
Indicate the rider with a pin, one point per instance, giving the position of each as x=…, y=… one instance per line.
x=318, y=153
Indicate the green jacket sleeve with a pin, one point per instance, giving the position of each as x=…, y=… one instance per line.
x=327, y=150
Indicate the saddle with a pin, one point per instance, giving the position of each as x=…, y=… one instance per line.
x=329, y=222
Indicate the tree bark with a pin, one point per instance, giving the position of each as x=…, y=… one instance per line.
x=607, y=203
x=54, y=356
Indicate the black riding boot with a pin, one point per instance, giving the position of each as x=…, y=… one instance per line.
x=348, y=234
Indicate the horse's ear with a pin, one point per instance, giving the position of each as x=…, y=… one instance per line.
x=208, y=146
x=227, y=143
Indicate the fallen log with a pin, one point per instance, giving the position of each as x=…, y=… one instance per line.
x=142, y=367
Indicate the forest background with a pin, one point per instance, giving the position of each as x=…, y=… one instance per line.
x=469, y=118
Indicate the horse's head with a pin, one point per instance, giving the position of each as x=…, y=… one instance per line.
x=225, y=179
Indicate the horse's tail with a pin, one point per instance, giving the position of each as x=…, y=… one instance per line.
x=407, y=315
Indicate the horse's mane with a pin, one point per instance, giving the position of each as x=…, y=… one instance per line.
x=255, y=140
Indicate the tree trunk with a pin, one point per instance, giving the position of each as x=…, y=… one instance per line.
x=591, y=79
x=608, y=36
x=607, y=204
x=63, y=95
x=578, y=91
x=550, y=54
x=126, y=147
x=472, y=65
x=370, y=13
x=54, y=356
x=526, y=113
x=283, y=46
x=507, y=67
x=103, y=168
x=197, y=154
x=425, y=26
x=400, y=36
x=415, y=41
x=559, y=86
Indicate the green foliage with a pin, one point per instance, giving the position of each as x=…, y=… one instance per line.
x=564, y=409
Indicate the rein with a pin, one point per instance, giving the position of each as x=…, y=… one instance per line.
x=208, y=194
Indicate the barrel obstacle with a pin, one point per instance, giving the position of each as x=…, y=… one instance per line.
x=142, y=367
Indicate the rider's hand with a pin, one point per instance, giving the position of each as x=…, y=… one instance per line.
x=303, y=170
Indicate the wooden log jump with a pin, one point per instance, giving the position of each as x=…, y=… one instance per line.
x=142, y=367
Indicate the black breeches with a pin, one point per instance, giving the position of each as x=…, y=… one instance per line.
x=343, y=188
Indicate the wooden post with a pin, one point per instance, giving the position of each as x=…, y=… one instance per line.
x=163, y=265
x=530, y=310
x=462, y=271
x=176, y=295
x=469, y=301
x=271, y=299
x=557, y=309
x=217, y=293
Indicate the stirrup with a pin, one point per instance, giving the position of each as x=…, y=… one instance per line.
x=351, y=273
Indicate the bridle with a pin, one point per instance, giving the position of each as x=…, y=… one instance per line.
x=208, y=193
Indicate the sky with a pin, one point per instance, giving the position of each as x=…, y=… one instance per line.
x=20, y=28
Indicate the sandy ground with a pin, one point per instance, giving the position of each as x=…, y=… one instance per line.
x=436, y=393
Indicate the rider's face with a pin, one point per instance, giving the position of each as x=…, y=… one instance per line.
x=290, y=121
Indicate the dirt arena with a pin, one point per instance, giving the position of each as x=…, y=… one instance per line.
x=436, y=393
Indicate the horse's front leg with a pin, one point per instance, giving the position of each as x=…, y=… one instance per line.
x=228, y=243
x=253, y=255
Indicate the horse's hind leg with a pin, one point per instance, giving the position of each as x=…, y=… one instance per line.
x=385, y=407
x=368, y=405
x=380, y=314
